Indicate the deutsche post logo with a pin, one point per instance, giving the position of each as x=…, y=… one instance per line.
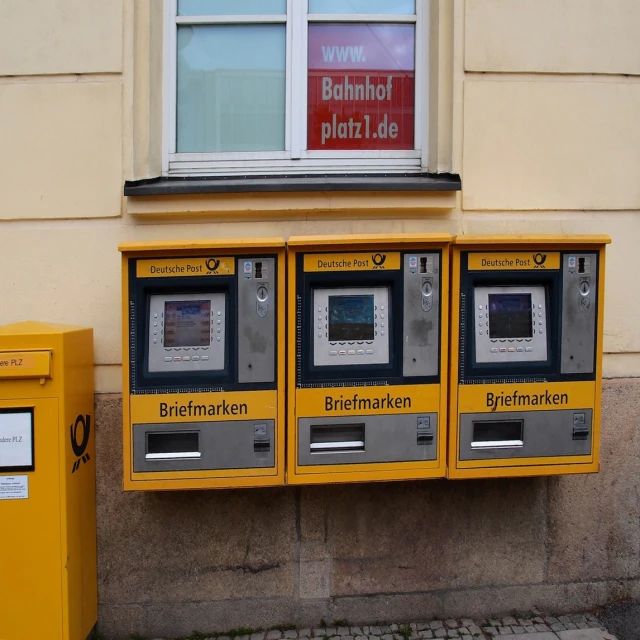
x=540, y=259
x=212, y=265
x=378, y=260
x=82, y=429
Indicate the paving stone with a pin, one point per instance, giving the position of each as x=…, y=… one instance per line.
x=318, y=632
x=517, y=629
x=272, y=635
x=385, y=629
x=585, y=634
x=365, y=631
x=508, y=621
x=570, y=626
x=591, y=617
x=529, y=629
x=421, y=626
x=541, y=627
x=375, y=631
x=578, y=617
x=290, y=634
x=505, y=631
x=303, y=633
x=261, y=635
x=387, y=636
x=564, y=619
x=426, y=634
x=374, y=637
x=557, y=626
x=491, y=631
x=453, y=633
x=551, y=620
x=413, y=626
x=356, y=631
x=474, y=629
x=451, y=624
x=466, y=622
x=361, y=637
x=343, y=631
x=494, y=622
x=546, y=635
x=537, y=620
x=583, y=625
x=227, y=637
x=464, y=631
x=441, y=633
x=330, y=631
x=436, y=624
x=394, y=628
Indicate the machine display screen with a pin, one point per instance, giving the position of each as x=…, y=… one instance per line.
x=510, y=315
x=187, y=323
x=351, y=317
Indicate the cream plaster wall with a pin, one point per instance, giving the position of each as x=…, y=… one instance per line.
x=60, y=36
x=553, y=36
x=538, y=152
x=62, y=149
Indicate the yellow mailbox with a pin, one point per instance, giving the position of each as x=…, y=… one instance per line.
x=48, y=584
x=526, y=355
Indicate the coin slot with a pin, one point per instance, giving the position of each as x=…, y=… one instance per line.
x=581, y=265
x=423, y=264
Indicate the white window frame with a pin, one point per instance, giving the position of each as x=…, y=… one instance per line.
x=295, y=159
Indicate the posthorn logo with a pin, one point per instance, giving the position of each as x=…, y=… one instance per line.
x=83, y=425
x=540, y=259
x=212, y=265
x=378, y=260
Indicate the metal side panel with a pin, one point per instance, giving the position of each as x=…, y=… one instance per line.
x=245, y=444
x=421, y=315
x=257, y=299
x=579, y=306
x=543, y=434
x=367, y=439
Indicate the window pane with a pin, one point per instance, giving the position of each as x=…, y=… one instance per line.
x=231, y=7
x=361, y=86
x=231, y=88
x=394, y=7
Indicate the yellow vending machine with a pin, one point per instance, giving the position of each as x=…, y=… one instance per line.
x=367, y=336
x=526, y=355
x=203, y=364
x=48, y=568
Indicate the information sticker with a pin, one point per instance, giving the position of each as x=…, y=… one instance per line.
x=14, y=487
x=16, y=439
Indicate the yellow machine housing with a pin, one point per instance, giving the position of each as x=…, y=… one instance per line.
x=203, y=364
x=526, y=355
x=48, y=569
x=367, y=357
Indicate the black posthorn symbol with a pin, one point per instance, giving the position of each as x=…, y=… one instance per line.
x=540, y=259
x=79, y=448
x=212, y=264
x=378, y=260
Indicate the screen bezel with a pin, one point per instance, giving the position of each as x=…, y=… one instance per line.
x=367, y=300
x=526, y=313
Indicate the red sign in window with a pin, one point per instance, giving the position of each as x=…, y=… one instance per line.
x=361, y=87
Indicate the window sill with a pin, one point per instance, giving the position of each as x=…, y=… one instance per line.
x=174, y=186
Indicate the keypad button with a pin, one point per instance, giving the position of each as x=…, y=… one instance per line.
x=195, y=358
x=528, y=349
x=369, y=352
x=481, y=332
x=155, y=342
x=512, y=349
x=177, y=359
x=205, y=358
x=351, y=352
x=382, y=324
x=360, y=352
x=540, y=315
x=503, y=349
x=342, y=352
x=480, y=316
x=333, y=353
x=155, y=324
x=320, y=309
x=186, y=359
x=319, y=335
x=520, y=349
x=382, y=333
x=382, y=307
x=219, y=313
x=382, y=316
x=168, y=359
x=218, y=339
x=155, y=315
x=494, y=349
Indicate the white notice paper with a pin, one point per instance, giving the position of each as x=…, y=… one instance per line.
x=14, y=487
x=16, y=446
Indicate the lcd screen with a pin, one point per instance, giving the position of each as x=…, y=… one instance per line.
x=187, y=323
x=351, y=318
x=510, y=315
